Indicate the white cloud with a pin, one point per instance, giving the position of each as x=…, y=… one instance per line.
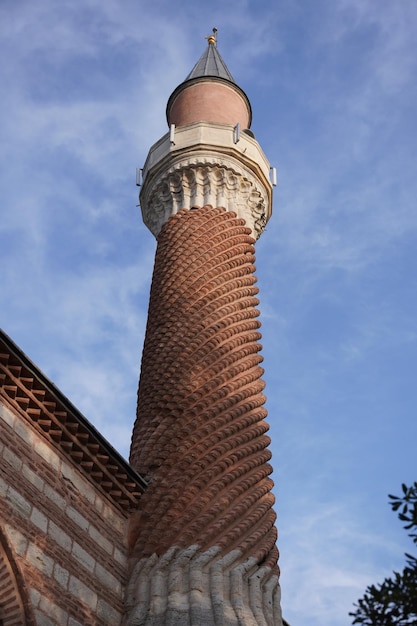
x=332, y=88
x=322, y=573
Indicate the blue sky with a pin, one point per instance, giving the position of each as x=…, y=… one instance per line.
x=333, y=92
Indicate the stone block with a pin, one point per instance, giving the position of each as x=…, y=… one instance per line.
x=18, y=502
x=43, y=620
x=119, y=556
x=55, y=497
x=58, y=615
x=12, y=459
x=39, y=519
x=22, y=429
x=83, y=593
x=116, y=520
x=107, y=579
x=83, y=557
x=108, y=614
x=77, y=517
x=45, y=451
x=36, y=556
x=33, y=477
x=3, y=488
x=61, y=575
x=78, y=482
x=6, y=415
x=17, y=539
x=100, y=540
x=35, y=597
x=59, y=536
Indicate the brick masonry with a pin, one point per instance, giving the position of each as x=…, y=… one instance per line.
x=210, y=102
x=200, y=434
x=65, y=538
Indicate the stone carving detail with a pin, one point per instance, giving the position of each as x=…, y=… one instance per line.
x=193, y=183
x=190, y=587
x=200, y=435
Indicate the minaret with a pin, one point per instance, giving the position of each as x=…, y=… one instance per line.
x=203, y=544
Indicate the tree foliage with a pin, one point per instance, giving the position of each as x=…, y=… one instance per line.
x=394, y=602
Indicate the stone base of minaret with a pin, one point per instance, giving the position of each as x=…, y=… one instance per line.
x=188, y=587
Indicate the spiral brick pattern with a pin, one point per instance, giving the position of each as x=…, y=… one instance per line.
x=200, y=435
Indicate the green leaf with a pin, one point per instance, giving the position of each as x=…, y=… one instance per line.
x=394, y=601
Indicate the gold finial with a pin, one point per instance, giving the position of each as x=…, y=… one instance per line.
x=212, y=39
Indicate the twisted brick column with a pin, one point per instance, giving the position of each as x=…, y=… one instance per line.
x=206, y=524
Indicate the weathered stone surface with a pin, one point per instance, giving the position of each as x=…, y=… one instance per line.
x=190, y=587
x=206, y=165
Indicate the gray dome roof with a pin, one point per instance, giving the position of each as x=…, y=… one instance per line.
x=210, y=64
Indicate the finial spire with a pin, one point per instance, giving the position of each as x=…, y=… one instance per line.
x=210, y=62
x=212, y=39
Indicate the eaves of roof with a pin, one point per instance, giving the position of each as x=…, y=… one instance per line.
x=29, y=392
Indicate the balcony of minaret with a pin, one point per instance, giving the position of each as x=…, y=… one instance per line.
x=206, y=163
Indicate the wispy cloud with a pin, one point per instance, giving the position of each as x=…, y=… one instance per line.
x=322, y=574
x=332, y=89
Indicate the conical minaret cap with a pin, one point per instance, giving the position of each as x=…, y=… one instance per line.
x=209, y=94
x=211, y=63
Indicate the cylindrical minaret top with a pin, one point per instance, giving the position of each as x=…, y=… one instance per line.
x=209, y=156
x=209, y=94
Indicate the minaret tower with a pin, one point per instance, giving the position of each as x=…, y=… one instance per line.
x=203, y=543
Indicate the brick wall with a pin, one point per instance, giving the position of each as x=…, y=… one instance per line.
x=67, y=538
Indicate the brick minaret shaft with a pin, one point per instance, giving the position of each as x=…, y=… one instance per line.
x=203, y=544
